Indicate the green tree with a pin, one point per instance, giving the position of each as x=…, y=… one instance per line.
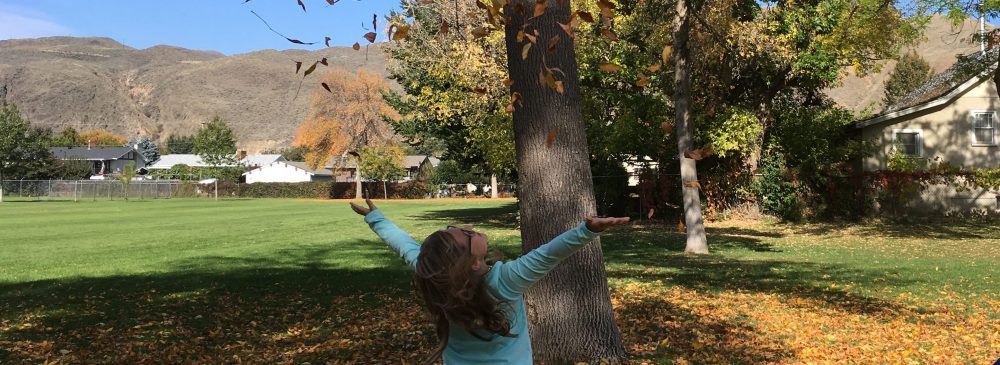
x=128, y=173
x=68, y=137
x=215, y=143
x=295, y=153
x=24, y=149
x=911, y=71
x=381, y=163
x=179, y=145
x=148, y=149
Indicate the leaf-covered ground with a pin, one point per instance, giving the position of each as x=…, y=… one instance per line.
x=292, y=282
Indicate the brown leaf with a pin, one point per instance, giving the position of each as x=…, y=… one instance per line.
x=524, y=51
x=479, y=90
x=643, y=80
x=551, y=137
x=327, y=41
x=531, y=38
x=519, y=9
x=401, y=31
x=699, y=154
x=370, y=36
x=508, y=82
x=609, y=67
x=609, y=34
x=480, y=32
x=298, y=65
x=566, y=28
x=520, y=36
x=302, y=5
x=509, y=108
x=444, y=27
x=356, y=46
x=327, y=87
x=650, y=214
x=480, y=5
x=654, y=68
x=323, y=61
x=516, y=98
x=559, y=87
x=585, y=16
x=541, y=77
x=539, y=8
x=606, y=8
x=692, y=185
x=667, y=127
x=552, y=43
x=310, y=69
x=331, y=2
x=665, y=56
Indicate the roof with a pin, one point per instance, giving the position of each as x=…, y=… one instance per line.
x=413, y=161
x=940, y=89
x=348, y=162
x=93, y=153
x=260, y=160
x=168, y=161
x=322, y=171
x=342, y=162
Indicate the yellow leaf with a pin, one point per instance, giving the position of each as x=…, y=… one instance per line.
x=609, y=67
x=665, y=56
x=524, y=51
x=654, y=68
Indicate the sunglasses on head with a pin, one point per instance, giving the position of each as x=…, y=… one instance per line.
x=468, y=233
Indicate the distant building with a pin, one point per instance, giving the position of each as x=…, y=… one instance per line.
x=106, y=160
x=345, y=168
x=287, y=172
x=167, y=161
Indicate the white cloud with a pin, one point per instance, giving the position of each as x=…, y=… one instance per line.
x=27, y=26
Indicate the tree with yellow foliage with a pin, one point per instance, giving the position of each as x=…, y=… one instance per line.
x=103, y=138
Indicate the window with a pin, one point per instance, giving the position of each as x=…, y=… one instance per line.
x=908, y=141
x=984, y=125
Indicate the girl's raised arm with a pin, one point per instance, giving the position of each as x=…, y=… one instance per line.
x=401, y=242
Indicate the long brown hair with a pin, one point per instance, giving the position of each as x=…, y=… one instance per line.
x=453, y=295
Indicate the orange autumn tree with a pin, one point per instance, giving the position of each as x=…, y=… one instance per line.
x=102, y=138
x=346, y=114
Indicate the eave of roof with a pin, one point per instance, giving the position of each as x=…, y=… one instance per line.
x=941, y=100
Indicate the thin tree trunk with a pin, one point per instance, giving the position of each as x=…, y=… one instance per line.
x=385, y=192
x=493, y=186
x=696, y=241
x=1, y=185
x=570, y=314
x=357, y=185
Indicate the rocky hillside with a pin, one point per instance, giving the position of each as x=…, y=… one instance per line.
x=940, y=47
x=93, y=83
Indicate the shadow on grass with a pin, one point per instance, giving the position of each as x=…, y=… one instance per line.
x=502, y=217
x=945, y=228
x=650, y=256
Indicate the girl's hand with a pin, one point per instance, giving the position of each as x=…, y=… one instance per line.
x=362, y=210
x=599, y=224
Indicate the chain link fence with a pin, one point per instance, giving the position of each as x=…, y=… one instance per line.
x=77, y=190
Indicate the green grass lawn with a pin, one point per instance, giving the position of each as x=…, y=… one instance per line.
x=289, y=281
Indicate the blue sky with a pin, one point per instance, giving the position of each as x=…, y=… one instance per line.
x=226, y=26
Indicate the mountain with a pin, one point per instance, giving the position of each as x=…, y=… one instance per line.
x=941, y=45
x=90, y=83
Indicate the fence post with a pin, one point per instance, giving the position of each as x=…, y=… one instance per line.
x=76, y=185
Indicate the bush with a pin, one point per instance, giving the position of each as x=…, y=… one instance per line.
x=778, y=194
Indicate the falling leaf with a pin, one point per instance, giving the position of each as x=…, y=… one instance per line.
x=509, y=108
x=650, y=214
x=667, y=127
x=298, y=65
x=516, y=97
x=331, y=2
x=323, y=61
x=444, y=27
x=480, y=5
x=692, y=185
x=370, y=36
x=531, y=38
x=327, y=41
x=559, y=87
x=519, y=36
x=524, y=51
x=699, y=154
x=401, y=31
x=310, y=69
x=327, y=87
x=551, y=137
x=303, y=5
x=375, y=22
x=356, y=46
x=665, y=56
x=609, y=34
x=296, y=41
x=552, y=43
x=609, y=67
x=519, y=9
x=539, y=8
x=606, y=8
x=566, y=28
x=480, y=91
x=654, y=68
x=480, y=32
x=585, y=16
x=643, y=80
x=508, y=82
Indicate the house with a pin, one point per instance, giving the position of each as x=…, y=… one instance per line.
x=106, y=160
x=346, y=168
x=953, y=118
x=167, y=161
x=260, y=160
x=287, y=172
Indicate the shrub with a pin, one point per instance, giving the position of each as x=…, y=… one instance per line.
x=778, y=194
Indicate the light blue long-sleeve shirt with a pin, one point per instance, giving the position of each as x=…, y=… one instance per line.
x=507, y=282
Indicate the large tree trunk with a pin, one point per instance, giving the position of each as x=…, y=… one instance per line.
x=570, y=312
x=696, y=241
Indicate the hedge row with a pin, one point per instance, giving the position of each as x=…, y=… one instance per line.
x=305, y=190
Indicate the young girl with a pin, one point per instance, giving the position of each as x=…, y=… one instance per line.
x=478, y=309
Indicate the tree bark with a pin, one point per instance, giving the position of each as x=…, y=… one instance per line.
x=493, y=186
x=570, y=314
x=696, y=240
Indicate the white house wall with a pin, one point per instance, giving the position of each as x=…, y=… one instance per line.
x=278, y=172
